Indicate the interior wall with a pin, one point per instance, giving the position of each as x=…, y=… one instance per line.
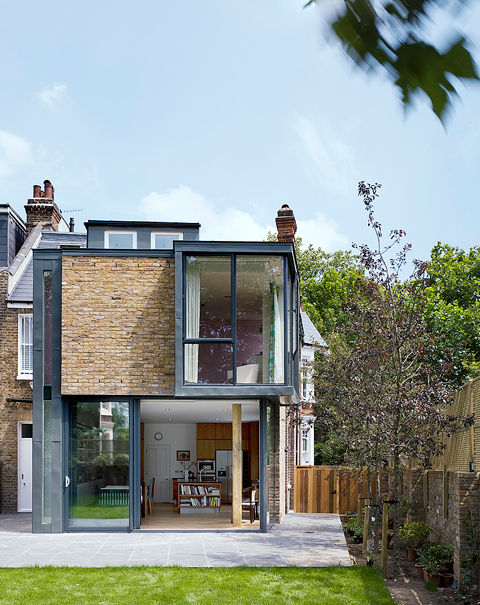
x=179, y=437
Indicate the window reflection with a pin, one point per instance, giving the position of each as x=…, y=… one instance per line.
x=99, y=464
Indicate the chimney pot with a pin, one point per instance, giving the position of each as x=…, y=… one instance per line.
x=49, y=190
x=42, y=209
x=286, y=224
x=72, y=224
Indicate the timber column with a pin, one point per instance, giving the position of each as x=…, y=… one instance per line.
x=237, y=464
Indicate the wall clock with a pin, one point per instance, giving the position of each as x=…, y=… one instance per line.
x=158, y=436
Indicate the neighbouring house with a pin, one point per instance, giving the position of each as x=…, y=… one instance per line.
x=44, y=228
x=311, y=341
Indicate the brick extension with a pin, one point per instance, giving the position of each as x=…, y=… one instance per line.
x=118, y=326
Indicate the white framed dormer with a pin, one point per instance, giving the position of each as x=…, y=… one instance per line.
x=156, y=238
x=25, y=347
x=120, y=240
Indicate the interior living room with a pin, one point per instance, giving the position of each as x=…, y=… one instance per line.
x=186, y=464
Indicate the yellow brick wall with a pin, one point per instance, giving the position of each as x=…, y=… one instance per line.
x=118, y=326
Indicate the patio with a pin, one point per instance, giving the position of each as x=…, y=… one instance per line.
x=301, y=540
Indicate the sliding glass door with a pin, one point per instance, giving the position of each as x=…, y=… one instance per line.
x=98, y=479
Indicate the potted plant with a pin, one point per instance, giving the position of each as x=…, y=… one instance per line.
x=419, y=569
x=415, y=534
x=444, y=556
x=431, y=570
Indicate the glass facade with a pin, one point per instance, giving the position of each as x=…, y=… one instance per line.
x=260, y=322
x=213, y=362
x=99, y=463
x=208, y=297
x=244, y=315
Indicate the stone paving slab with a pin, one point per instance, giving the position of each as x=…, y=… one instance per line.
x=301, y=540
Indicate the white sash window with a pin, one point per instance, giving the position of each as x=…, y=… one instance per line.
x=25, y=346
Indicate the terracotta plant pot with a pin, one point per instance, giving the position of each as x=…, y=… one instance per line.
x=447, y=579
x=419, y=568
x=435, y=579
x=411, y=554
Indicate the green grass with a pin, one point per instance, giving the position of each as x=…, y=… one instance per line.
x=87, y=507
x=176, y=585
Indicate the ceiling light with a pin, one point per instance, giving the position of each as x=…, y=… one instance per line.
x=169, y=418
x=217, y=419
x=225, y=409
x=167, y=409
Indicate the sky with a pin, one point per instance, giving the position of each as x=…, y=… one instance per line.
x=220, y=112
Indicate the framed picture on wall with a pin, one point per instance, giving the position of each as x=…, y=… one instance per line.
x=183, y=455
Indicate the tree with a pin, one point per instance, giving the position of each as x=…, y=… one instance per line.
x=392, y=35
x=453, y=306
x=383, y=385
x=327, y=281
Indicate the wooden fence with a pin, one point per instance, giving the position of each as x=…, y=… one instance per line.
x=328, y=489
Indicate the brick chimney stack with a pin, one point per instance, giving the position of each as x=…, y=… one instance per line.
x=42, y=209
x=286, y=224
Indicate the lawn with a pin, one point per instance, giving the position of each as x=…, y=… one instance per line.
x=219, y=586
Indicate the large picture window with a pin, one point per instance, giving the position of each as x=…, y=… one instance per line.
x=234, y=319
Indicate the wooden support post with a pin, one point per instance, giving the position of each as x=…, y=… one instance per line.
x=386, y=506
x=359, y=508
x=237, y=464
x=366, y=518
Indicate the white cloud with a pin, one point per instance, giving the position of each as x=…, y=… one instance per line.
x=227, y=223
x=14, y=152
x=52, y=95
x=332, y=157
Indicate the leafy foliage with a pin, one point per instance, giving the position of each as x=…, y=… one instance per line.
x=382, y=386
x=330, y=449
x=453, y=307
x=328, y=280
x=415, y=533
x=391, y=34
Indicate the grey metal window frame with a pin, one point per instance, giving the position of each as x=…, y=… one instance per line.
x=134, y=454
x=187, y=248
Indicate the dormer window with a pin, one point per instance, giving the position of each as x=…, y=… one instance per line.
x=164, y=240
x=120, y=240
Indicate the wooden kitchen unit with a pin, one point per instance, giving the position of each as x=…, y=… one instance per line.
x=212, y=436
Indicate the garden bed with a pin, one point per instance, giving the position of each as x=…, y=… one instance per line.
x=408, y=589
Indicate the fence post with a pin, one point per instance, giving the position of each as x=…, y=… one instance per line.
x=385, y=507
x=366, y=518
x=359, y=508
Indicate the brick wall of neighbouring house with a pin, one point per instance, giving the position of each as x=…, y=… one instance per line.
x=292, y=426
x=118, y=326
x=10, y=412
x=277, y=489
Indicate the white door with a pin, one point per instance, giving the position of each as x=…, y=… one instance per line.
x=25, y=467
x=157, y=464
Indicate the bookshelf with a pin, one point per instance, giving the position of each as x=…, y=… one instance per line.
x=199, y=497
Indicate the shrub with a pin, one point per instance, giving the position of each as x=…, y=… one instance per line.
x=415, y=533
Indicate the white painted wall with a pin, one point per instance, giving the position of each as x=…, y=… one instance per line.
x=178, y=437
